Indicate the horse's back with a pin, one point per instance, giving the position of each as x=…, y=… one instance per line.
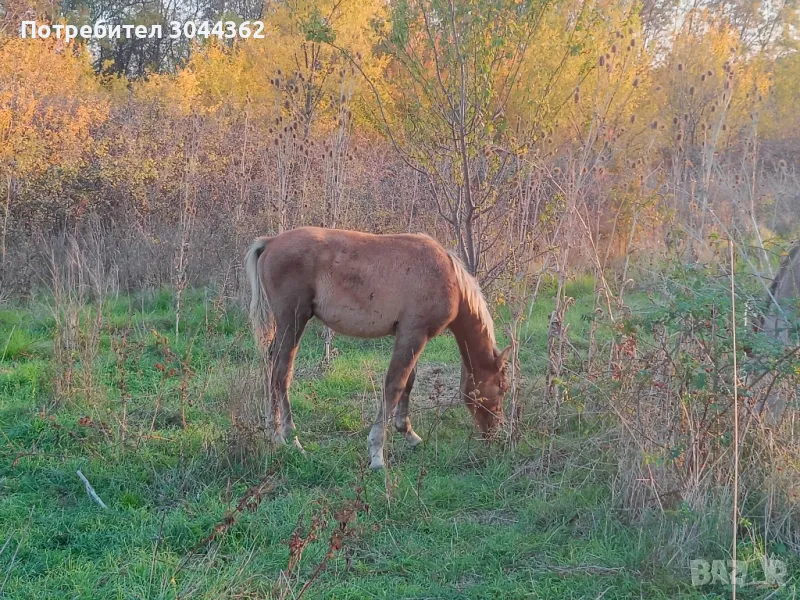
x=362, y=284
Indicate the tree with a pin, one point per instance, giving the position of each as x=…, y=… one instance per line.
x=50, y=108
x=455, y=63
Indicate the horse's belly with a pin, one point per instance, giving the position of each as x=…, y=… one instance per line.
x=356, y=322
x=360, y=312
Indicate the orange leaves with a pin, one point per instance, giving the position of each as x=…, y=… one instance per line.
x=50, y=105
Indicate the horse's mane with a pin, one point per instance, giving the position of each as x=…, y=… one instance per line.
x=473, y=296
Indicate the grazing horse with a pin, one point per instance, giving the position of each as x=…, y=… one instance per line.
x=369, y=286
x=782, y=311
x=783, y=296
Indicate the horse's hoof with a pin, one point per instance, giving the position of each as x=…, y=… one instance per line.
x=278, y=440
x=299, y=446
x=376, y=465
x=413, y=439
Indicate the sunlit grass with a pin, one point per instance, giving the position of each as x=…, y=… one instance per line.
x=450, y=519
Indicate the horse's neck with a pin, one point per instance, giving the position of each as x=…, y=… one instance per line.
x=477, y=349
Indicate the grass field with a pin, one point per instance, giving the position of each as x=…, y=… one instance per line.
x=450, y=519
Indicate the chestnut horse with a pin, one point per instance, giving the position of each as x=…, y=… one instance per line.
x=778, y=323
x=369, y=286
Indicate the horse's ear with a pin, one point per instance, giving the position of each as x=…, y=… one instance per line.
x=502, y=356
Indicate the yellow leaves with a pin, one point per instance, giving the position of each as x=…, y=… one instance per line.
x=708, y=85
x=50, y=104
x=783, y=120
x=241, y=76
x=217, y=74
x=575, y=49
x=585, y=76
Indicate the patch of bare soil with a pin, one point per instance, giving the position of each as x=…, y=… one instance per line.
x=436, y=385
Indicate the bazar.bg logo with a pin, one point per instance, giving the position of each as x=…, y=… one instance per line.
x=772, y=572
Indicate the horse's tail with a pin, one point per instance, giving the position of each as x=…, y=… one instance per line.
x=260, y=313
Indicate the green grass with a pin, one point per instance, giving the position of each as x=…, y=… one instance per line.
x=451, y=519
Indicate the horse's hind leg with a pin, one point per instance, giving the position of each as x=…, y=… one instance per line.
x=284, y=350
x=407, y=348
x=402, y=422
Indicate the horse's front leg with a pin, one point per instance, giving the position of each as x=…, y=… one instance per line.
x=407, y=348
x=402, y=422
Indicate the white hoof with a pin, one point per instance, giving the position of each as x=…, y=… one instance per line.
x=412, y=438
x=278, y=440
x=376, y=464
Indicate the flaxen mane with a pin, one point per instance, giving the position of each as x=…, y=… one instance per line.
x=473, y=296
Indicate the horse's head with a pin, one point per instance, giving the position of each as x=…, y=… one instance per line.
x=484, y=390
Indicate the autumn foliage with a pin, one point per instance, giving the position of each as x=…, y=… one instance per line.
x=505, y=128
